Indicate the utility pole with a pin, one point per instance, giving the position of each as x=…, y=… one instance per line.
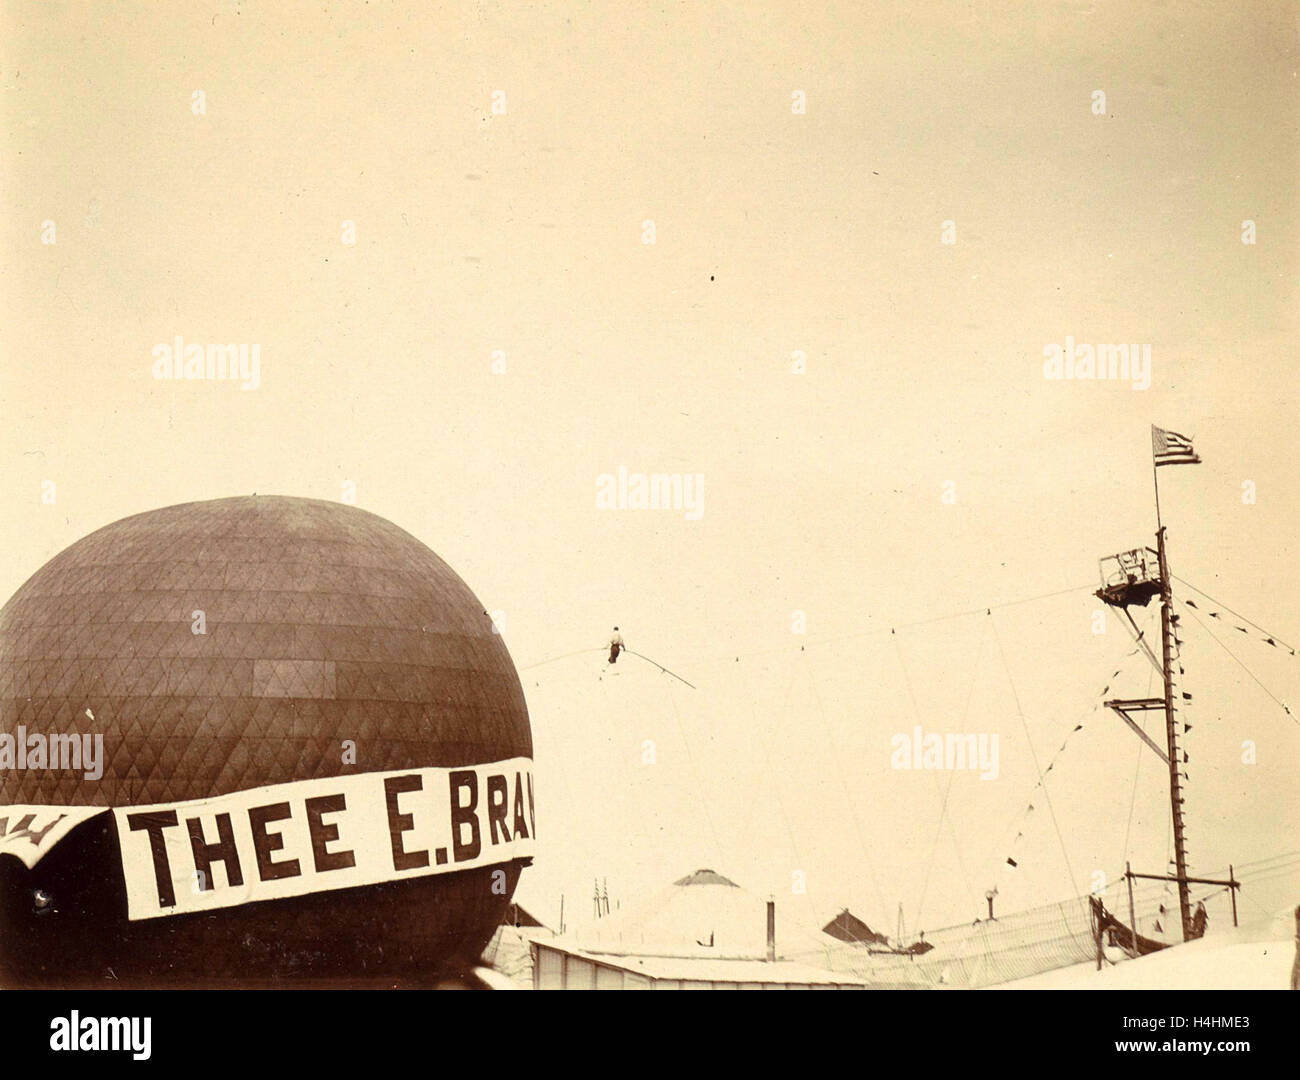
x=1130, y=578
x=1171, y=730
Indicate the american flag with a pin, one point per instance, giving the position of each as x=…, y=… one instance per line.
x=1170, y=448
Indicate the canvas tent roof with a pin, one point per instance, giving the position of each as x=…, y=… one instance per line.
x=703, y=914
x=705, y=877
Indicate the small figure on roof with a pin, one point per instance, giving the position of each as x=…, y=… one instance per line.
x=616, y=646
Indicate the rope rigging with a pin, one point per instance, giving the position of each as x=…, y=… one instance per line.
x=1270, y=638
x=1137, y=772
x=943, y=808
x=1241, y=663
x=1182, y=710
x=916, y=716
x=660, y=667
x=814, y=642
x=1034, y=755
x=840, y=761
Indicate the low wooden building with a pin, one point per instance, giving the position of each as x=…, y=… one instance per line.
x=557, y=965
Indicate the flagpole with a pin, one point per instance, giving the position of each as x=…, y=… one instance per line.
x=1155, y=479
x=1171, y=727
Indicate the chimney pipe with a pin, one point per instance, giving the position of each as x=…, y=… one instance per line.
x=771, y=931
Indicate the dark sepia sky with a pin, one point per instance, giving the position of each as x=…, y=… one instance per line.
x=775, y=233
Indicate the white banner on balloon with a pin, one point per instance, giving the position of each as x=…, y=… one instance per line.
x=30, y=832
x=318, y=835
